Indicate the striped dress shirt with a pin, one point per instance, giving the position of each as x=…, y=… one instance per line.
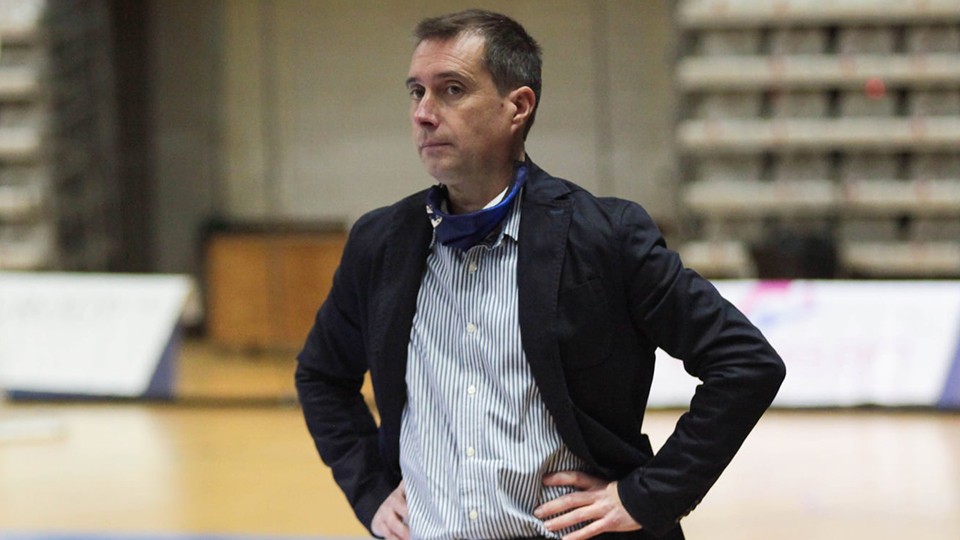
x=476, y=438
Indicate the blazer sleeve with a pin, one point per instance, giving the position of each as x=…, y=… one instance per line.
x=683, y=314
x=329, y=376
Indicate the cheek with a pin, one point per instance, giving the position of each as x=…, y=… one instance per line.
x=492, y=129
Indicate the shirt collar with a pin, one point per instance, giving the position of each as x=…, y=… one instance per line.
x=511, y=225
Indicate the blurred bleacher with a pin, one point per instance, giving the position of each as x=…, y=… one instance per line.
x=58, y=178
x=820, y=139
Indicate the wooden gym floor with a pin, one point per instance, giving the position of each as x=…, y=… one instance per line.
x=232, y=457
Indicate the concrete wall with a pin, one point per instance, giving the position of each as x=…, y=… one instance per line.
x=296, y=109
x=185, y=41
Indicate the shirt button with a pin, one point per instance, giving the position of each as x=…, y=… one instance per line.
x=471, y=452
x=472, y=267
x=474, y=515
x=472, y=390
x=471, y=328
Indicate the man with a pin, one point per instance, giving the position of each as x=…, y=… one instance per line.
x=510, y=331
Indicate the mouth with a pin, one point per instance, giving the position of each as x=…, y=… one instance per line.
x=427, y=145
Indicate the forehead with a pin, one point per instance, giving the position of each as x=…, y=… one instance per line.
x=462, y=54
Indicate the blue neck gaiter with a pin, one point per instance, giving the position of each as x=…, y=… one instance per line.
x=463, y=231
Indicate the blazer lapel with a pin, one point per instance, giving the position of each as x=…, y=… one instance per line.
x=544, y=225
x=405, y=254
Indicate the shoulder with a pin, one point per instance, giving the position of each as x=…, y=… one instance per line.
x=377, y=224
x=370, y=235
x=606, y=214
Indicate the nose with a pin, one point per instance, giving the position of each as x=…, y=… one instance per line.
x=425, y=112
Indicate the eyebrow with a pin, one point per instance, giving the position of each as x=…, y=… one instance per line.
x=442, y=75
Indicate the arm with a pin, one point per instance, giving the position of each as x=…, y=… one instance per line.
x=679, y=311
x=329, y=375
x=684, y=315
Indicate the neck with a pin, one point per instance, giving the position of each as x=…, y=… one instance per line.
x=469, y=196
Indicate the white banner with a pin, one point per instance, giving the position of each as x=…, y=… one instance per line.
x=86, y=334
x=890, y=343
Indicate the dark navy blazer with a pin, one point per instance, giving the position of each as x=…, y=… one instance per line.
x=598, y=292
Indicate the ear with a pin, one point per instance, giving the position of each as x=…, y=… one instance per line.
x=524, y=100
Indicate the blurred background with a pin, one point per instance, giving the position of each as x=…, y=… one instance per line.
x=234, y=142
x=132, y=128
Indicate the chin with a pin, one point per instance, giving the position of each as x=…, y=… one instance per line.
x=439, y=172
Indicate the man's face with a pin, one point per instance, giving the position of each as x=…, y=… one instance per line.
x=462, y=126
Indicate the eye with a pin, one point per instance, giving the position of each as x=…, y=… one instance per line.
x=454, y=90
x=416, y=93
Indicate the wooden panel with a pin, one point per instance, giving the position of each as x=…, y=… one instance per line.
x=238, y=298
x=307, y=265
x=264, y=287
